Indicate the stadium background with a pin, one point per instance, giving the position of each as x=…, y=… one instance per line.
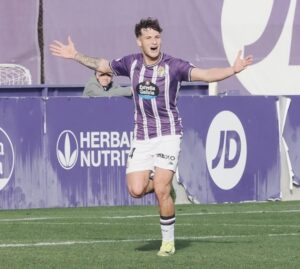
x=207, y=33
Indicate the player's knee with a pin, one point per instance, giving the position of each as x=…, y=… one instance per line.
x=136, y=192
x=162, y=193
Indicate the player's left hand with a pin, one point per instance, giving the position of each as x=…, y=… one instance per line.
x=241, y=63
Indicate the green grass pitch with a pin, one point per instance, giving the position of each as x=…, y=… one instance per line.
x=246, y=235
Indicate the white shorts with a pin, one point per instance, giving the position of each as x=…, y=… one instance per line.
x=160, y=152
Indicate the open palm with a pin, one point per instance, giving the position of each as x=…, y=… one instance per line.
x=240, y=64
x=65, y=51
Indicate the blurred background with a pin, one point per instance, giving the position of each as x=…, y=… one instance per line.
x=206, y=33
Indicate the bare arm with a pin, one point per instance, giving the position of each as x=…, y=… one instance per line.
x=217, y=74
x=69, y=51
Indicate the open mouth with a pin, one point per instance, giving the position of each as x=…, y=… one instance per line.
x=154, y=49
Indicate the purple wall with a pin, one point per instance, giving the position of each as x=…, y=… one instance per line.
x=66, y=152
x=19, y=37
x=99, y=33
x=207, y=33
x=230, y=151
x=56, y=153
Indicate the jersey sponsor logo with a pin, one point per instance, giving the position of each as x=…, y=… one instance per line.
x=165, y=156
x=147, y=90
x=226, y=150
x=7, y=158
x=170, y=158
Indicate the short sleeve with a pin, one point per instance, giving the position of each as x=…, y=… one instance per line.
x=183, y=69
x=121, y=67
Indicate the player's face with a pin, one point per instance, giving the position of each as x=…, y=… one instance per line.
x=150, y=44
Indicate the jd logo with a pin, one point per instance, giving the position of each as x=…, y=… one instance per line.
x=67, y=149
x=225, y=138
x=226, y=150
x=7, y=158
x=272, y=36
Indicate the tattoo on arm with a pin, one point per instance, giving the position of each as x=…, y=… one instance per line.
x=89, y=62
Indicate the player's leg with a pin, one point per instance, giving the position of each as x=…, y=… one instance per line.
x=166, y=161
x=140, y=165
x=162, y=185
x=139, y=183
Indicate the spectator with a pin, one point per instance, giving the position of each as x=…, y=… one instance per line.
x=102, y=84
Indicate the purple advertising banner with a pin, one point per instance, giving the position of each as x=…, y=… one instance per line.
x=291, y=136
x=88, y=142
x=23, y=181
x=230, y=150
x=65, y=152
x=72, y=151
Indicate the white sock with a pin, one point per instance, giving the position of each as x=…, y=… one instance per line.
x=167, y=225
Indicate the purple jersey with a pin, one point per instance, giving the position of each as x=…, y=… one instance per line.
x=155, y=90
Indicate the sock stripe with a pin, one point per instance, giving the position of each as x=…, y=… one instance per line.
x=169, y=221
x=166, y=218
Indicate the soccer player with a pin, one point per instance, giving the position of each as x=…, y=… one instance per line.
x=155, y=78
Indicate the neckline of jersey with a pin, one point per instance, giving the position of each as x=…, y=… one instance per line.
x=152, y=65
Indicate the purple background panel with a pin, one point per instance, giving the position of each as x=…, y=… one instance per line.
x=52, y=137
x=22, y=120
x=94, y=183
x=100, y=34
x=200, y=31
x=19, y=35
x=261, y=176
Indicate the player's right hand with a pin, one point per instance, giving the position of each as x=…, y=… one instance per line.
x=59, y=49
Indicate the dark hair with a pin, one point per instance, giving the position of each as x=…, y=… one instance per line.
x=147, y=23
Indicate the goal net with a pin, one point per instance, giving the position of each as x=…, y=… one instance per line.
x=14, y=74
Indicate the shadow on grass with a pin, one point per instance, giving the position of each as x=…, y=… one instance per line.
x=155, y=245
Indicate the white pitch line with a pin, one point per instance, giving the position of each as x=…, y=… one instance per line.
x=154, y=215
x=64, y=243
x=87, y=223
x=258, y=225
x=207, y=213
x=68, y=243
x=31, y=219
x=156, y=224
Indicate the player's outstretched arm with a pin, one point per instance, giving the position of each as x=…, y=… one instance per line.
x=69, y=51
x=217, y=74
